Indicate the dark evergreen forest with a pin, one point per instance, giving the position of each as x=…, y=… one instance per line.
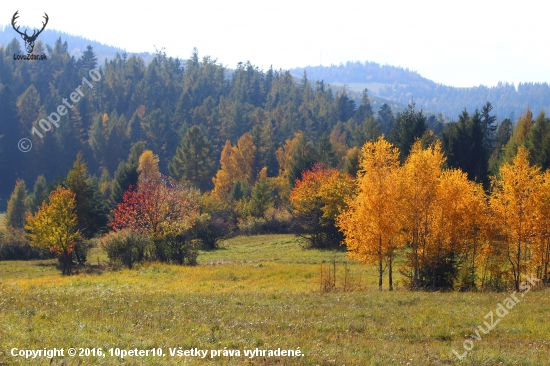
x=193, y=104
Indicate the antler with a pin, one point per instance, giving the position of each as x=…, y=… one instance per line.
x=34, y=33
x=43, y=24
x=15, y=16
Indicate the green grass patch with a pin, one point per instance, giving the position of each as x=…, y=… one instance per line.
x=257, y=292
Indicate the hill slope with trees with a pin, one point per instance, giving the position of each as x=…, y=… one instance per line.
x=400, y=85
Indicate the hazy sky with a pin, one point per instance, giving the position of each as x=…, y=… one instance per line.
x=459, y=43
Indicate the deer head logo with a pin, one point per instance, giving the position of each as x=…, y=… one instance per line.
x=29, y=40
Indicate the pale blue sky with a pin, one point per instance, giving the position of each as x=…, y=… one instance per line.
x=459, y=43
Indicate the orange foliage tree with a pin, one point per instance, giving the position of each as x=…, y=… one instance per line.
x=371, y=224
x=419, y=180
x=438, y=213
x=237, y=165
x=514, y=204
x=452, y=230
x=317, y=198
x=541, y=249
x=454, y=234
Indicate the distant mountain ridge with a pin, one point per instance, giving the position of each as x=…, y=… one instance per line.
x=77, y=44
x=386, y=84
x=357, y=72
x=400, y=85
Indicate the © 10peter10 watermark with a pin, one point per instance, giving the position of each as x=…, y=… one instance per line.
x=45, y=124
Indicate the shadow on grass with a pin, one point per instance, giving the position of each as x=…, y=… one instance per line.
x=305, y=242
x=90, y=268
x=338, y=249
x=47, y=264
x=209, y=250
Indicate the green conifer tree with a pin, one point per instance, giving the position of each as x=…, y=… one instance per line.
x=193, y=161
x=17, y=206
x=39, y=194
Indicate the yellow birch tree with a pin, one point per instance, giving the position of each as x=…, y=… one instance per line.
x=514, y=204
x=148, y=167
x=237, y=165
x=541, y=248
x=420, y=179
x=371, y=223
x=454, y=228
x=54, y=226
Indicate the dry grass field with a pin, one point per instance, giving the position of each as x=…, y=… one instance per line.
x=260, y=292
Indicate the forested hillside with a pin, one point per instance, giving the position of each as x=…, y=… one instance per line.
x=158, y=104
x=157, y=160
x=400, y=85
x=173, y=103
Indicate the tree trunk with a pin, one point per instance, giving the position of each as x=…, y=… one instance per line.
x=474, y=262
x=390, y=279
x=433, y=275
x=518, y=273
x=66, y=264
x=546, y=263
x=415, y=275
x=380, y=272
x=380, y=269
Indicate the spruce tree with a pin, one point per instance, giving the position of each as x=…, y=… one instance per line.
x=464, y=145
x=410, y=125
x=28, y=105
x=17, y=206
x=39, y=194
x=386, y=118
x=126, y=174
x=87, y=61
x=91, y=210
x=193, y=161
x=489, y=126
x=519, y=136
x=261, y=198
x=10, y=156
x=538, y=142
x=303, y=157
x=325, y=152
x=365, y=109
x=368, y=131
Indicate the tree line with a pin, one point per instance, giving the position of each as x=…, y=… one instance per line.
x=254, y=153
x=158, y=104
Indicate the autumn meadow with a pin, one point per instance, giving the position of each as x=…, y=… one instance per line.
x=183, y=206
x=260, y=292
x=399, y=294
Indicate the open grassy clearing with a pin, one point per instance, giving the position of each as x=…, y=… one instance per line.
x=263, y=292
